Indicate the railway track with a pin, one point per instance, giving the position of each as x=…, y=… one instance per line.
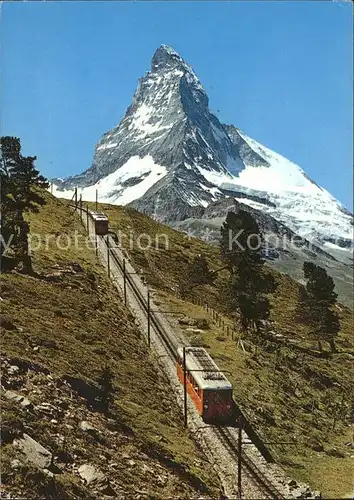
x=252, y=470
x=143, y=303
x=224, y=435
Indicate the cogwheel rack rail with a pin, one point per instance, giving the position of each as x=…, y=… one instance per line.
x=223, y=433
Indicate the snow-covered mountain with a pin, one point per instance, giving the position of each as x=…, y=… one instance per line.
x=170, y=153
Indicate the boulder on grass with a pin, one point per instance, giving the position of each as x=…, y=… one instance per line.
x=33, y=452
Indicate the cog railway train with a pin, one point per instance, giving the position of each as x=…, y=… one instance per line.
x=208, y=387
x=100, y=221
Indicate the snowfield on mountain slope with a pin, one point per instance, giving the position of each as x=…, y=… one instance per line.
x=126, y=184
x=301, y=204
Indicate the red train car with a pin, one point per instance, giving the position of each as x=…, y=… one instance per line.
x=100, y=221
x=208, y=387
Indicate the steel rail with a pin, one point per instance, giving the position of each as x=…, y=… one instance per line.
x=228, y=440
x=254, y=470
x=262, y=480
x=143, y=302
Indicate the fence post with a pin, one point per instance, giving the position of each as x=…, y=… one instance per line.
x=108, y=261
x=148, y=317
x=124, y=283
x=239, y=459
x=185, y=387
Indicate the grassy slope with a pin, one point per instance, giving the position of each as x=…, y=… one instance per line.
x=76, y=322
x=290, y=396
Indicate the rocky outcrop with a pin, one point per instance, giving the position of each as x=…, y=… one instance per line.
x=60, y=435
x=33, y=452
x=172, y=159
x=170, y=153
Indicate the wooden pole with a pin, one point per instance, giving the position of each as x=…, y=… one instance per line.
x=148, y=317
x=87, y=219
x=96, y=199
x=96, y=240
x=124, y=283
x=80, y=202
x=108, y=256
x=185, y=387
x=75, y=198
x=239, y=459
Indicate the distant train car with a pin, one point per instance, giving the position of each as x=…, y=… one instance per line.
x=101, y=222
x=208, y=387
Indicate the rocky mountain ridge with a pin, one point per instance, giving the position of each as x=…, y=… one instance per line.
x=170, y=153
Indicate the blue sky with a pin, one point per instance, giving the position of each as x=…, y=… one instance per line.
x=281, y=71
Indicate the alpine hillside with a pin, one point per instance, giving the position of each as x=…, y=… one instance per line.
x=171, y=157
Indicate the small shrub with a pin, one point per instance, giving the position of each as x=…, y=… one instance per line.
x=198, y=341
x=202, y=324
x=334, y=452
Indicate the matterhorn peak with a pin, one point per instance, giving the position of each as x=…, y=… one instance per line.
x=166, y=60
x=165, y=57
x=170, y=153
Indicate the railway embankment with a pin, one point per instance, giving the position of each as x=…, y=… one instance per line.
x=297, y=400
x=59, y=329
x=260, y=479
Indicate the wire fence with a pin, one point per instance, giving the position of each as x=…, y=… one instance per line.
x=225, y=324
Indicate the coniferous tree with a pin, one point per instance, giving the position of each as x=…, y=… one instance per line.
x=9, y=154
x=240, y=238
x=21, y=184
x=249, y=283
x=197, y=273
x=316, y=303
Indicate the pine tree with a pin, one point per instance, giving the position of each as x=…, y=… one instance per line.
x=21, y=185
x=316, y=303
x=249, y=283
x=197, y=273
x=240, y=237
x=9, y=154
x=105, y=382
